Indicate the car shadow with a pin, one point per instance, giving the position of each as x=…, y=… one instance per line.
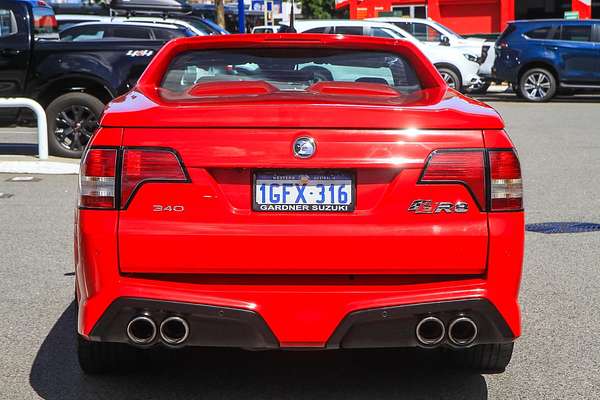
x=512, y=98
x=21, y=149
x=239, y=374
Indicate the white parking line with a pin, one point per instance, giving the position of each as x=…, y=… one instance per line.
x=38, y=167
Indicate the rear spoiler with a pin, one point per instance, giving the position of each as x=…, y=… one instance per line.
x=152, y=76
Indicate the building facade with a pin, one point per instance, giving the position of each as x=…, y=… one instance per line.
x=472, y=16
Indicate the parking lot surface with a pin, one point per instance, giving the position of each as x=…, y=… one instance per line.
x=558, y=356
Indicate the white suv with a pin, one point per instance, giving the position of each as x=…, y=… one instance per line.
x=434, y=34
x=67, y=20
x=457, y=67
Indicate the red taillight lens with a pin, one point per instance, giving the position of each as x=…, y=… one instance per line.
x=97, y=179
x=468, y=167
x=506, y=191
x=464, y=167
x=145, y=165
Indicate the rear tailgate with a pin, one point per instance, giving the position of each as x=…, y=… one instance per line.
x=207, y=226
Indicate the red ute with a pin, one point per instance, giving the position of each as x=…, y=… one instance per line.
x=298, y=191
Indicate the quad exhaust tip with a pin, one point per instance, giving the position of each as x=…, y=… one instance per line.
x=430, y=331
x=141, y=330
x=174, y=331
x=462, y=331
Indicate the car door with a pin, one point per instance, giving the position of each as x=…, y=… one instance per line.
x=15, y=42
x=577, y=54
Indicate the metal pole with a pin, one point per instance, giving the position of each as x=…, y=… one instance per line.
x=40, y=114
x=241, y=17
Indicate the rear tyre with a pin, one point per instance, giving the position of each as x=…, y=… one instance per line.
x=484, y=358
x=72, y=120
x=319, y=74
x=537, y=85
x=104, y=357
x=479, y=88
x=451, y=78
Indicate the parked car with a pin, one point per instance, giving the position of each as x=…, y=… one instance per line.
x=265, y=29
x=541, y=58
x=436, y=34
x=72, y=81
x=458, y=68
x=114, y=30
x=193, y=227
x=198, y=26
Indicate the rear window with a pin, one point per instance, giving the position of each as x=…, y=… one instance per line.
x=168, y=34
x=509, y=29
x=290, y=69
x=576, y=33
x=539, y=33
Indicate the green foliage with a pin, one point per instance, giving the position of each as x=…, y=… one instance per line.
x=318, y=9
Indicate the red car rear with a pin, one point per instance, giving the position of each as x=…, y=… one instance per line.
x=298, y=191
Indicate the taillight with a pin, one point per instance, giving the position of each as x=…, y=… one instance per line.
x=502, y=185
x=148, y=165
x=97, y=179
x=506, y=187
x=464, y=167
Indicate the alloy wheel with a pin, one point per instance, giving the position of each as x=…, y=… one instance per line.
x=449, y=79
x=537, y=85
x=75, y=126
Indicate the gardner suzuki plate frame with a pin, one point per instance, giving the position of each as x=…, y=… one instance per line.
x=304, y=177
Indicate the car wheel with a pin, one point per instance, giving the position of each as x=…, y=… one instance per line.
x=451, y=78
x=104, y=357
x=72, y=120
x=484, y=358
x=537, y=85
x=319, y=74
x=479, y=88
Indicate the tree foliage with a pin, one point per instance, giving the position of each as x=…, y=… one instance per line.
x=318, y=9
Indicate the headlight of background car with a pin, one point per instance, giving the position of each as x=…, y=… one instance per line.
x=470, y=57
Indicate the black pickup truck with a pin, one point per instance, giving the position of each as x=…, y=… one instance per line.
x=71, y=80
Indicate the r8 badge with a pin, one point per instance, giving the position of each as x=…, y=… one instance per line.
x=436, y=207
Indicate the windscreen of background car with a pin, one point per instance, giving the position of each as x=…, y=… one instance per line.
x=290, y=69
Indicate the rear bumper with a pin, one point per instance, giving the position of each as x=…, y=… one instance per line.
x=300, y=311
x=216, y=326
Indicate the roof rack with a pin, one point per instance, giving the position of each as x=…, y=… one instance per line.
x=134, y=7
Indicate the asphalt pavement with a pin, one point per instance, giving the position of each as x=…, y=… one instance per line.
x=558, y=356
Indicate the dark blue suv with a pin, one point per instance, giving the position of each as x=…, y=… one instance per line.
x=544, y=57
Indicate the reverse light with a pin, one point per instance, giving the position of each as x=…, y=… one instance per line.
x=464, y=167
x=506, y=187
x=97, y=179
x=148, y=165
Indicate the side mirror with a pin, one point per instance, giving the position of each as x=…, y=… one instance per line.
x=444, y=40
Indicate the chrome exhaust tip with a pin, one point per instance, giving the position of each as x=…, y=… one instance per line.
x=141, y=330
x=430, y=331
x=174, y=330
x=462, y=331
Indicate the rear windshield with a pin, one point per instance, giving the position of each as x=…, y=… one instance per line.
x=290, y=69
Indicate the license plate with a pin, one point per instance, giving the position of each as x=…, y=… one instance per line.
x=303, y=191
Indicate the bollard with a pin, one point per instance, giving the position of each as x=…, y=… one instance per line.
x=42, y=127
